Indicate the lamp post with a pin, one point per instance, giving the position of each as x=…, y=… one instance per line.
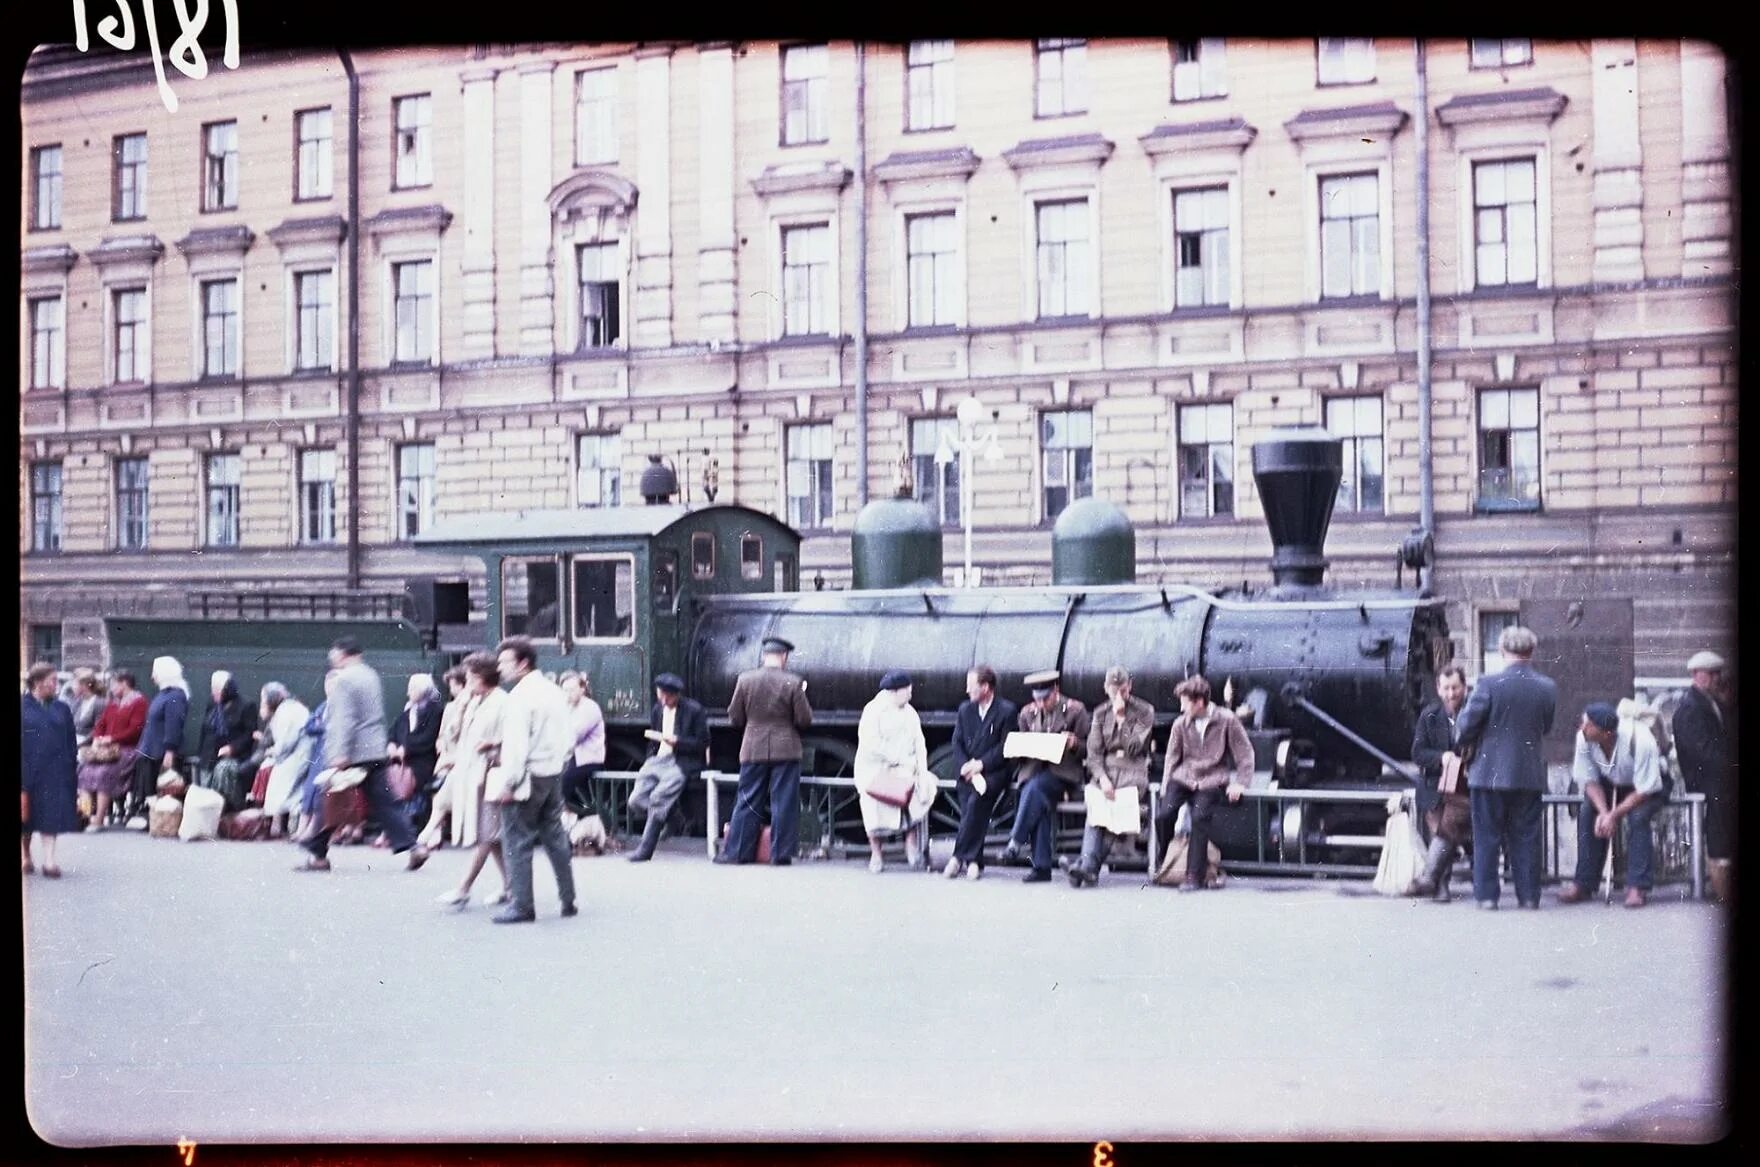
x=970, y=413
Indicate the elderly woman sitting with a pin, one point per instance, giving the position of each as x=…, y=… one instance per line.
x=892, y=773
x=107, y=769
x=228, y=736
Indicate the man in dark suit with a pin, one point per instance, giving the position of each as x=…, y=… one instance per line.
x=678, y=735
x=770, y=705
x=1504, y=723
x=979, y=729
x=1447, y=819
x=1701, y=730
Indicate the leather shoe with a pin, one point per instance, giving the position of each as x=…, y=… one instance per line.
x=1635, y=897
x=1011, y=856
x=314, y=865
x=1079, y=875
x=782, y=862
x=1487, y=905
x=513, y=915
x=725, y=861
x=1528, y=905
x=418, y=855
x=1572, y=893
x=1037, y=875
x=1190, y=884
x=569, y=910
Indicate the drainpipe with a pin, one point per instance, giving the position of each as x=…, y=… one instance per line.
x=1426, y=474
x=861, y=275
x=352, y=420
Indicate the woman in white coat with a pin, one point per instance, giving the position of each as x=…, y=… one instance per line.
x=893, y=759
x=474, y=820
x=290, y=751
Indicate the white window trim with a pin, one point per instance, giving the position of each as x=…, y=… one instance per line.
x=390, y=258
x=204, y=531
x=1475, y=430
x=783, y=425
x=394, y=459
x=1381, y=396
x=775, y=306
x=198, y=323
x=584, y=232
x=111, y=287
x=616, y=147
x=574, y=480
x=1496, y=142
x=292, y=295
x=613, y=557
x=1234, y=440
x=953, y=95
x=28, y=296
x=1374, y=65
x=1316, y=172
x=1176, y=173
x=1049, y=184
x=907, y=204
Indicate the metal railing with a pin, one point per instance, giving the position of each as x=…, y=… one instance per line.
x=269, y=605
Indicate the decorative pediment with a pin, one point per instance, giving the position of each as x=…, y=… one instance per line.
x=1516, y=105
x=592, y=194
x=795, y=177
x=1220, y=134
x=217, y=241
x=1080, y=148
x=906, y=165
x=144, y=249
x=55, y=259
x=1382, y=120
x=326, y=229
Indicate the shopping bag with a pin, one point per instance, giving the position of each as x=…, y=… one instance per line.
x=402, y=781
x=202, y=809
x=1173, y=865
x=344, y=808
x=1402, y=853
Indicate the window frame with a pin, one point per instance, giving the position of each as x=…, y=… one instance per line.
x=215, y=200
x=140, y=334
x=947, y=310
x=940, y=472
x=1503, y=47
x=614, y=470
x=704, y=569
x=324, y=315
x=1344, y=173
x=1207, y=73
x=1511, y=502
x=205, y=321
x=813, y=100
x=612, y=143
x=1071, y=457
x=826, y=286
x=142, y=490
x=326, y=499
x=564, y=614
x=1088, y=268
x=426, y=488
x=1489, y=658
x=55, y=377
x=233, y=489
x=1230, y=245
x=750, y=569
x=48, y=531
x=1473, y=241
x=569, y=599
x=1063, y=47
x=816, y=487
x=46, y=212
x=616, y=339
x=1352, y=453
x=118, y=167
x=326, y=152
x=426, y=322
x=1209, y=446
x=422, y=140
x=1320, y=78
x=939, y=71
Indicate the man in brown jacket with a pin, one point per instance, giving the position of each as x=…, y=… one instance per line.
x=1118, y=756
x=770, y=705
x=1208, y=752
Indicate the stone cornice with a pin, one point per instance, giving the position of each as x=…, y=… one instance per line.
x=127, y=249
x=1542, y=104
x=905, y=165
x=790, y=178
x=1381, y=120
x=323, y=229
x=1221, y=134
x=217, y=240
x=1036, y=152
x=409, y=220
x=58, y=258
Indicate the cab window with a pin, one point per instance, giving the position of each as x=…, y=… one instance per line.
x=703, y=555
x=531, y=597
x=751, y=556
x=665, y=580
x=604, y=597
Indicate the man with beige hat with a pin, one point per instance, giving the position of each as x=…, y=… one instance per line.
x=1701, y=730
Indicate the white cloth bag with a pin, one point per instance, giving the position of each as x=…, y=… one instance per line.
x=1402, y=854
x=201, y=814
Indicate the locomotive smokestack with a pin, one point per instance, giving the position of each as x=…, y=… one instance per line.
x=1298, y=472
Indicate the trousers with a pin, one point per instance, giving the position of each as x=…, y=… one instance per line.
x=386, y=810
x=658, y=784
x=1174, y=796
x=775, y=786
x=1640, y=840
x=524, y=825
x=1506, y=820
x=974, y=818
x=1035, y=818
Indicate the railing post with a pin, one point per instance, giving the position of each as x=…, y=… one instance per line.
x=1696, y=819
x=712, y=807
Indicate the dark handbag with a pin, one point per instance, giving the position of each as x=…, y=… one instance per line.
x=344, y=808
x=894, y=787
x=1454, y=773
x=402, y=781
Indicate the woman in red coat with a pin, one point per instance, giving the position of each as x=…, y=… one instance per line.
x=119, y=727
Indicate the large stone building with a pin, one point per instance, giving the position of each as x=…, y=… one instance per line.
x=1138, y=255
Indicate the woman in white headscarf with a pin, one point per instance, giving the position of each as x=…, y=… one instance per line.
x=290, y=750
x=161, y=745
x=892, y=757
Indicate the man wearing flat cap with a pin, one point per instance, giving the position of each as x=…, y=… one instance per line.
x=1043, y=785
x=1118, y=756
x=769, y=705
x=678, y=736
x=1702, y=743
x=1620, y=771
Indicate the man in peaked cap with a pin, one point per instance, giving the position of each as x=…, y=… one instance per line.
x=1702, y=741
x=769, y=705
x=678, y=733
x=1043, y=785
x=1620, y=770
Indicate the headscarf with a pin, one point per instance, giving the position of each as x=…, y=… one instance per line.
x=168, y=674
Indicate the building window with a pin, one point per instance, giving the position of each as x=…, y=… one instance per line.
x=937, y=480
x=1206, y=460
x=1200, y=247
x=595, y=116
x=1495, y=54
x=317, y=496
x=808, y=452
x=129, y=356
x=415, y=489
x=599, y=470
x=932, y=267
x=1066, y=454
x=414, y=282
x=1509, y=449
x=128, y=195
x=928, y=70
x=806, y=280
x=1346, y=60
x=45, y=506
x=223, y=487
x=220, y=166
x=703, y=555
x=220, y=328
x=1505, y=222
x=415, y=165
x=1356, y=423
x=45, y=188
x=313, y=157
x=804, y=79
x=1062, y=68
x=314, y=343
x=1197, y=69
x=531, y=597
x=1064, y=265
x=599, y=294
x=48, y=343
x=1491, y=626
x=131, y=504
x=751, y=557
x=604, y=598
x=1350, y=235
x=46, y=643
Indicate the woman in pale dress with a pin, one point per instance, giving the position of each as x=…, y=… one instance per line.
x=446, y=753
x=290, y=750
x=476, y=819
x=890, y=741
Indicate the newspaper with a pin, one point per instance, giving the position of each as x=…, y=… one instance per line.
x=1120, y=814
x=1043, y=747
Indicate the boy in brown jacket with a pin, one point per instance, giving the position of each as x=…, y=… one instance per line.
x=1208, y=753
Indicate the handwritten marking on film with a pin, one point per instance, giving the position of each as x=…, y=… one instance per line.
x=185, y=1147
x=186, y=53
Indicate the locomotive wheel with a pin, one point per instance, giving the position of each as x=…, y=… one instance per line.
x=837, y=810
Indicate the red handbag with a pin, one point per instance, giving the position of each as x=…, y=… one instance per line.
x=260, y=785
x=402, y=781
x=344, y=808
x=894, y=787
x=24, y=806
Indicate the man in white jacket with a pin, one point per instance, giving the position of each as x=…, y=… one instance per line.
x=1620, y=771
x=537, y=736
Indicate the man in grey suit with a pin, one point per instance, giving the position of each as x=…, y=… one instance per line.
x=1504, y=723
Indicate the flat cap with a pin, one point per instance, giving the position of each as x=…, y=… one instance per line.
x=1116, y=675
x=1602, y=716
x=670, y=682
x=1704, y=660
x=776, y=644
x=896, y=679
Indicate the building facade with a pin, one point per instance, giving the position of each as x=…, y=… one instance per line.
x=1138, y=255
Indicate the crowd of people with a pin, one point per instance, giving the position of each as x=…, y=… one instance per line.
x=493, y=769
